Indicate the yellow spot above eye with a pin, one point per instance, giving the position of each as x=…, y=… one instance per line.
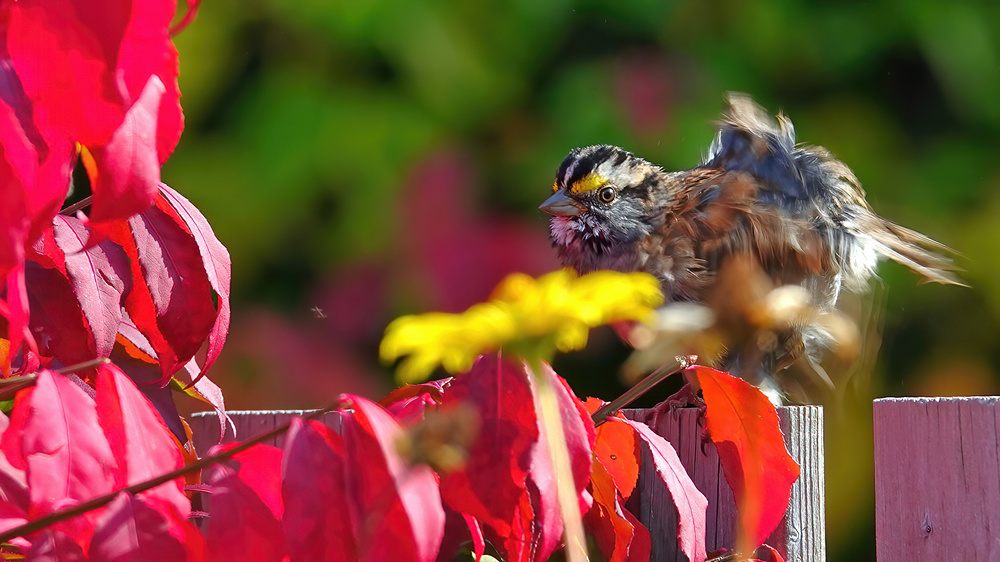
x=555, y=186
x=590, y=182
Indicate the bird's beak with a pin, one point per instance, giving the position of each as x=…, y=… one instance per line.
x=559, y=205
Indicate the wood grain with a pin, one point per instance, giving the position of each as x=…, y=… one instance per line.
x=937, y=478
x=801, y=535
x=248, y=424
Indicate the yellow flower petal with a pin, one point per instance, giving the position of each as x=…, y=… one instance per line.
x=558, y=307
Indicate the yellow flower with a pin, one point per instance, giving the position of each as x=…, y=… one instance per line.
x=525, y=315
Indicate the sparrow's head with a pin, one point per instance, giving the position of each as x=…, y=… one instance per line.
x=600, y=206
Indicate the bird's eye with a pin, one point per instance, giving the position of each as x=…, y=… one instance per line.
x=607, y=194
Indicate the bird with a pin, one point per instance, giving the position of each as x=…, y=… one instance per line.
x=760, y=216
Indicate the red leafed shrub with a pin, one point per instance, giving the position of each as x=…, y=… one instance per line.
x=101, y=310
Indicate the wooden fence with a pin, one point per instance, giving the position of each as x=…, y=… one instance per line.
x=937, y=478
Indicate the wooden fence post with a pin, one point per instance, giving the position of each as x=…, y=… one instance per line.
x=937, y=478
x=801, y=535
x=248, y=424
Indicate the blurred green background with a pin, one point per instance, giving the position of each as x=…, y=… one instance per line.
x=367, y=159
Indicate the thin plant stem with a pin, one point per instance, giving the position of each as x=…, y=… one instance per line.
x=679, y=363
x=72, y=209
x=555, y=435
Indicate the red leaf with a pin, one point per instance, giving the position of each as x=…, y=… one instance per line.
x=56, y=321
x=639, y=550
x=400, y=512
x=132, y=530
x=217, y=264
x=99, y=275
x=409, y=401
x=148, y=52
x=240, y=525
x=205, y=390
x=170, y=121
x=67, y=457
x=490, y=485
x=65, y=53
x=34, y=173
x=14, y=500
x=127, y=166
x=171, y=301
x=138, y=359
x=743, y=424
x=13, y=486
x=145, y=376
x=54, y=546
x=318, y=512
x=139, y=439
x=14, y=308
x=691, y=504
x=767, y=553
x=606, y=520
x=259, y=468
x=478, y=541
x=617, y=450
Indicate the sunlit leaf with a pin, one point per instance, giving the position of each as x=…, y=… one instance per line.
x=318, y=509
x=139, y=439
x=743, y=424
x=132, y=530
x=127, y=167
x=490, y=486
x=244, y=521
x=400, y=514
x=66, y=55
x=217, y=266
x=99, y=276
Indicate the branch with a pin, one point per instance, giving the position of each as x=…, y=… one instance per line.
x=679, y=363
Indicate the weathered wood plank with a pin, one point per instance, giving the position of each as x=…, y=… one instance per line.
x=248, y=424
x=801, y=536
x=937, y=478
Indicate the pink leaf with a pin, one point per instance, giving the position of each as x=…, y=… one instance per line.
x=14, y=310
x=54, y=546
x=67, y=456
x=217, y=264
x=259, y=467
x=132, y=530
x=400, y=513
x=691, y=503
x=99, y=276
x=138, y=437
x=56, y=322
x=491, y=484
x=66, y=53
x=14, y=500
x=240, y=525
x=318, y=511
x=34, y=169
x=127, y=166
